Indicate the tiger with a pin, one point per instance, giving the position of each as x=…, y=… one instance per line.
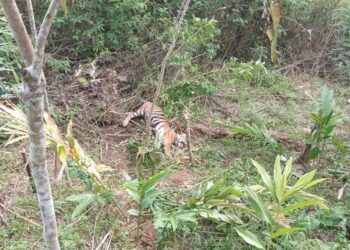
x=160, y=125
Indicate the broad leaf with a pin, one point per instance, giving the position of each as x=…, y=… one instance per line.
x=300, y=184
x=302, y=204
x=133, y=212
x=286, y=173
x=132, y=189
x=153, y=180
x=259, y=206
x=79, y=197
x=315, y=182
x=149, y=197
x=264, y=176
x=250, y=238
x=314, y=153
x=277, y=176
x=283, y=231
x=82, y=206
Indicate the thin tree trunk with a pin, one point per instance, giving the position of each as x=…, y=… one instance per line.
x=34, y=38
x=33, y=97
x=183, y=10
x=22, y=38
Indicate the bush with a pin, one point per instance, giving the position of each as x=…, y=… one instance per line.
x=96, y=25
x=10, y=64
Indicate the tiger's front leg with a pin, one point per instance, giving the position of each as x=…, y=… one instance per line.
x=167, y=149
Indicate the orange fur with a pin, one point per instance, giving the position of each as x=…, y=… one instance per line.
x=158, y=122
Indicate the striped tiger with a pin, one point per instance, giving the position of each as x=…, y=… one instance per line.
x=159, y=125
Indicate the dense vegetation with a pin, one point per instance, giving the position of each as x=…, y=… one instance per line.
x=271, y=142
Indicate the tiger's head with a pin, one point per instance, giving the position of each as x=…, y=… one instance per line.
x=181, y=141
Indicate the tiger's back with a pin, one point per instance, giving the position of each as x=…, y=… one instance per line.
x=160, y=125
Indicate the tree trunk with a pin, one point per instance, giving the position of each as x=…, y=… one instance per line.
x=33, y=97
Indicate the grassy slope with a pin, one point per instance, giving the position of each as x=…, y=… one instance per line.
x=281, y=105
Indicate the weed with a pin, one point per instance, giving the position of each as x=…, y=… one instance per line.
x=325, y=120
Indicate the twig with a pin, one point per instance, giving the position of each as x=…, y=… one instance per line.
x=36, y=243
x=182, y=13
x=186, y=115
x=104, y=239
x=20, y=216
x=109, y=242
x=93, y=236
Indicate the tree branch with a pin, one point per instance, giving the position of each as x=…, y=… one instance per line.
x=19, y=31
x=31, y=20
x=182, y=13
x=45, y=27
x=33, y=33
x=22, y=38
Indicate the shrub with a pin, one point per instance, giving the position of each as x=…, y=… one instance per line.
x=9, y=59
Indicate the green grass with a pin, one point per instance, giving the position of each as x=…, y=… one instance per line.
x=270, y=99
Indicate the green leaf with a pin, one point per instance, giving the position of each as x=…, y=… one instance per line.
x=277, y=175
x=327, y=101
x=173, y=223
x=283, y=231
x=250, y=238
x=82, y=206
x=214, y=214
x=132, y=189
x=315, y=151
x=302, y=204
x=286, y=173
x=79, y=197
x=300, y=184
x=153, y=180
x=264, y=176
x=213, y=188
x=228, y=191
x=149, y=198
x=259, y=206
x=315, y=182
x=133, y=212
x=107, y=195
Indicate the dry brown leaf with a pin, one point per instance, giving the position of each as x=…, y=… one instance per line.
x=341, y=192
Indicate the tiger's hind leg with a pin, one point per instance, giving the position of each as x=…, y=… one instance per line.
x=127, y=119
x=139, y=113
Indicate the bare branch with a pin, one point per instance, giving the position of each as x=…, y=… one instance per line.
x=31, y=20
x=19, y=31
x=45, y=27
x=19, y=216
x=21, y=36
x=182, y=13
